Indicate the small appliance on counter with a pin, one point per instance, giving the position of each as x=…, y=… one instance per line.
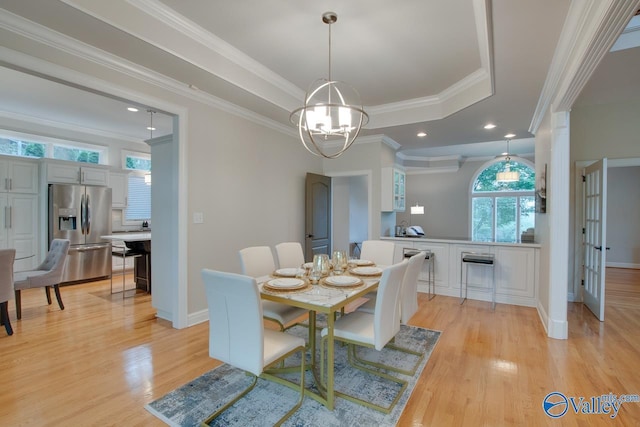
x=414, y=231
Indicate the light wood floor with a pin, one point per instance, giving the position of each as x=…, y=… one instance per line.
x=102, y=359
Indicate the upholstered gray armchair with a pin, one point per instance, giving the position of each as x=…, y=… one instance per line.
x=7, y=256
x=48, y=274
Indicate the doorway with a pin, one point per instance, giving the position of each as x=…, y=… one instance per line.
x=351, y=214
x=622, y=224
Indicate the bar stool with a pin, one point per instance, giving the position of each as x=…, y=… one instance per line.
x=122, y=252
x=480, y=259
x=429, y=258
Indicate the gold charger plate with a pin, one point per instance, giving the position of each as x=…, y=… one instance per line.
x=366, y=271
x=341, y=282
x=285, y=272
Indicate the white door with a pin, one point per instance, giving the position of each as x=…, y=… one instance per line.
x=595, y=236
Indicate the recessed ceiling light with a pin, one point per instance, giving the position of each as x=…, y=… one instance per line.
x=132, y=109
x=510, y=135
x=489, y=126
x=422, y=134
x=150, y=128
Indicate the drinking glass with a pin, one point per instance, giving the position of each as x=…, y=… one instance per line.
x=339, y=260
x=317, y=268
x=325, y=264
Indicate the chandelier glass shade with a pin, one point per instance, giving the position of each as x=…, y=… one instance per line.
x=332, y=115
x=507, y=175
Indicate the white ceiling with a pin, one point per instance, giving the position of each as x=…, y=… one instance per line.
x=445, y=67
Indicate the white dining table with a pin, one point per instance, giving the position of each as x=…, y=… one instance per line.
x=321, y=299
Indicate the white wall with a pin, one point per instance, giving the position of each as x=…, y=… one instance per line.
x=597, y=131
x=341, y=218
x=358, y=209
x=623, y=217
x=246, y=179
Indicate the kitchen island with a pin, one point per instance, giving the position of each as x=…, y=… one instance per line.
x=140, y=243
x=516, y=268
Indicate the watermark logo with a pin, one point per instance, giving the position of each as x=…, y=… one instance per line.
x=556, y=404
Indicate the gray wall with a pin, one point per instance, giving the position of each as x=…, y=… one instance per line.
x=445, y=197
x=623, y=217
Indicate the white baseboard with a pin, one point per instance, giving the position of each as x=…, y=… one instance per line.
x=623, y=265
x=544, y=318
x=198, y=317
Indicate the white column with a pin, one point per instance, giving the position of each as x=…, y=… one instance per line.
x=558, y=180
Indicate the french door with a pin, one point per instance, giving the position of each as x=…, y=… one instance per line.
x=595, y=236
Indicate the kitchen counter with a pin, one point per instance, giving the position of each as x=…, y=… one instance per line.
x=459, y=240
x=516, y=268
x=128, y=237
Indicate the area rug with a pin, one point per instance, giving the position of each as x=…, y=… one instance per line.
x=267, y=402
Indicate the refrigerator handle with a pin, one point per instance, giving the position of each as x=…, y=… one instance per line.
x=82, y=213
x=88, y=228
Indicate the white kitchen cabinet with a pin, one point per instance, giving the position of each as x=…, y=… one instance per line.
x=19, y=228
x=516, y=269
x=392, y=190
x=119, y=183
x=70, y=173
x=18, y=176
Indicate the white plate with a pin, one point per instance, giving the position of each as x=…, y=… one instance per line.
x=308, y=265
x=342, y=280
x=367, y=271
x=285, y=283
x=287, y=272
x=362, y=262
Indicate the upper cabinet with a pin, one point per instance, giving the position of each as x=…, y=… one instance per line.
x=17, y=176
x=393, y=190
x=74, y=174
x=119, y=183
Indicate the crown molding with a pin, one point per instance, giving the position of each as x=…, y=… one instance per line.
x=39, y=121
x=471, y=89
x=589, y=31
x=56, y=40
x=171, y=18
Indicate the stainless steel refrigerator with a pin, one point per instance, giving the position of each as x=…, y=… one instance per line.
x=82, y=213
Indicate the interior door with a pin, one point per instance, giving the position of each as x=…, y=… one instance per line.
x=595, y=236
x=317, y=215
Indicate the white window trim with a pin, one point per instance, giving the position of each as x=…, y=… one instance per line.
x=49, y=142
x=493, y=194
x=128, y=153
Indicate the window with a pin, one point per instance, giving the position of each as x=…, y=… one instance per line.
x=18, y=144
x=16, y=147
x=75, y=154
x=502, y=211
x=139, y=203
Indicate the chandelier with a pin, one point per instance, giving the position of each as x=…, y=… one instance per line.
x=508, y=175
x=332, y=115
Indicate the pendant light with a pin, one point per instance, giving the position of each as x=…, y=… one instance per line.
x=508, y=175
x=147, y=177
x=332, y=115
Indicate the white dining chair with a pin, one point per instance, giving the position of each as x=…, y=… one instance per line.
x=290, y=254
x=7, y=257
x=381, y=252
x=237, y=335
x=408, y=293
x=257, y=261
x=371, y=330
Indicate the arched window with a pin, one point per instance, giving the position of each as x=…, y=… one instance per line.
x=501, y=211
